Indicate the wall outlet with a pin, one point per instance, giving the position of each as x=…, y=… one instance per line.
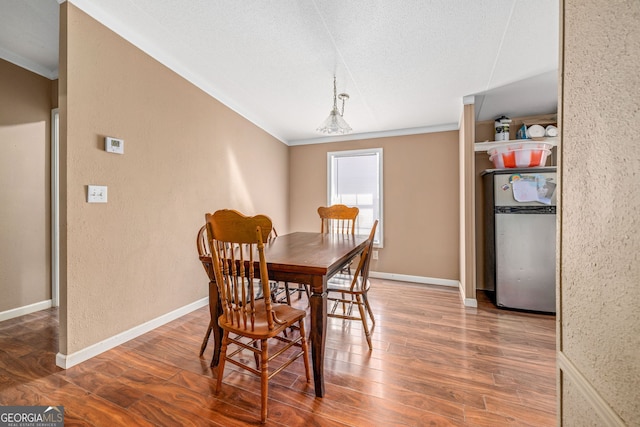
x=97, y=194
x=114, y=145
x=375, y=254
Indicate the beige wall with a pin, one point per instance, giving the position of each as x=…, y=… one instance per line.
x=599, y=330
x=134, y=258
x=421, y=200
x=25, y=129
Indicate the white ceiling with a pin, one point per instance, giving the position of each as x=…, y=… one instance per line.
x=406, y=64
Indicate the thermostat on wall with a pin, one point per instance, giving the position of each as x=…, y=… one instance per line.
x=114, y=145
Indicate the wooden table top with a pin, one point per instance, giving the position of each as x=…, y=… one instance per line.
x=312, y=253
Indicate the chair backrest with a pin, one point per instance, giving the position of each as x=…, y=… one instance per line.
x=272, y=235
x=203, y=252
x=338, y=219
x=236, y=243
x=362, y=272
x=201, y=242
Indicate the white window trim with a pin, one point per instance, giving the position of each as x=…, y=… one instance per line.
x=351, y=153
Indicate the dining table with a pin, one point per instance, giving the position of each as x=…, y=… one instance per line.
x=304, y=258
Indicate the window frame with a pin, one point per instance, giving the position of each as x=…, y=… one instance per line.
x=331, y=155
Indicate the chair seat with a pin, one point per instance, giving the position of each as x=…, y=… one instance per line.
x=285, y=314
x=257, y=288
x=342, y=283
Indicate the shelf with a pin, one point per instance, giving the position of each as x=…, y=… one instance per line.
x=540, y=122
x=486, y=146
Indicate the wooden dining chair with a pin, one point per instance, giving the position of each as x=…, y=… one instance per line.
x=280, y=291
x=338, y=219
x=285, y=289
x=355, y=286
x=237, y=243
x=205, y=258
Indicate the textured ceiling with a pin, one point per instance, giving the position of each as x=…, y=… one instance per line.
x=29, y=35
x=406, y=64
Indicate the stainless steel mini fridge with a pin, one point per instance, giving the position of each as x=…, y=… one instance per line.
x=520, y=237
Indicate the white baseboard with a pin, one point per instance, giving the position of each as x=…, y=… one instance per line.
x=468, y=302
x=607, y=415
x=27, y=309
x=414, y=279
x=66, y=361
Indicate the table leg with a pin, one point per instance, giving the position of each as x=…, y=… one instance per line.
x=318, y=302
x=215, y=311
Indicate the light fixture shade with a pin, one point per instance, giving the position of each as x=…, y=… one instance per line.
x=334, y=124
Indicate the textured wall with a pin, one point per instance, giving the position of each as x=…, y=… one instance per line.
x=420, y=188
x=25, y=129
x=577, y=414
x=134, y=258
x=600, y=220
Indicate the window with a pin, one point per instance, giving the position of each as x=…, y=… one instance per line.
x=355, y=179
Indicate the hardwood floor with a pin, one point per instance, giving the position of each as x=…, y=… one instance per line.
x=434, y=363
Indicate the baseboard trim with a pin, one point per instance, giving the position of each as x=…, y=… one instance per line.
x=599, y=405
x=66, y=361
x=468, y=302
x=414, y=279
x=27, y=309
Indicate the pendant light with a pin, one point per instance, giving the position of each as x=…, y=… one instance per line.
x=335, y=124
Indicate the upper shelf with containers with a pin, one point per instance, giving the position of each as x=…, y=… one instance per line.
x=534, y=140
x=488, y=145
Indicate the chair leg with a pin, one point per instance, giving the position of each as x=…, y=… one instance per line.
x=305, y=349
x=223, y=357
x=264, y=380
x=344, y=305
x=300, y=287
x=255, y=355
x=205, y=341
x=366, y=303
x=286, y=292
x=363, y=316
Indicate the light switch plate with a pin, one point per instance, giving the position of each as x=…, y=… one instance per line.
x=114, y=145
x=97, y=194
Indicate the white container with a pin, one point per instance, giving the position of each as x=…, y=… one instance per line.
x=502, y=128
x=520, y=158
x=535, y=131
x=519, y=145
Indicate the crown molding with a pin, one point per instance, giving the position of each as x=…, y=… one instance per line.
x=372, y=135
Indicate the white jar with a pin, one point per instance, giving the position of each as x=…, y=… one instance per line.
x=502, y=128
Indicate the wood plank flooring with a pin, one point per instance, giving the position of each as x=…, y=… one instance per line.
x=435, y=363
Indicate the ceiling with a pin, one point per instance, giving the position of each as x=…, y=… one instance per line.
x=406, y=64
